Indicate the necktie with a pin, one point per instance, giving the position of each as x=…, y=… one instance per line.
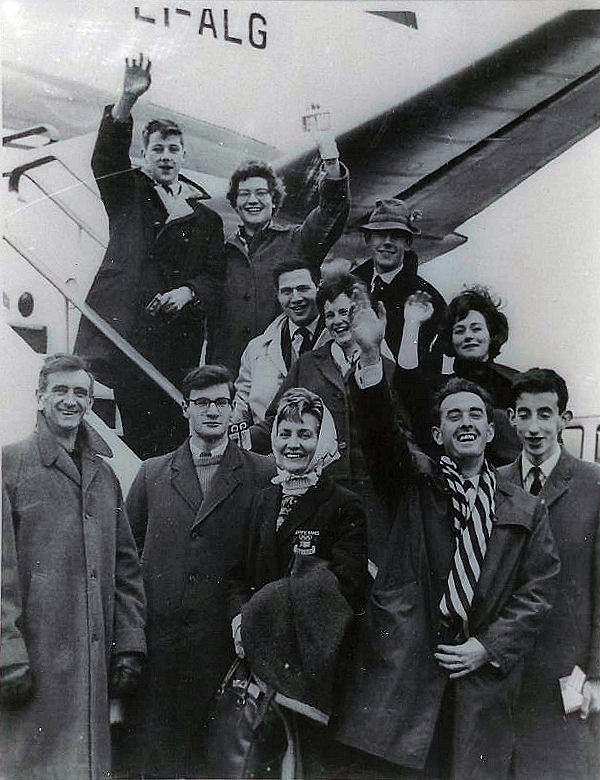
x=536, y=484
x=379, y=287
x=302, y=340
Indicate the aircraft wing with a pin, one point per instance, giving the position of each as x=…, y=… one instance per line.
x=456, y=148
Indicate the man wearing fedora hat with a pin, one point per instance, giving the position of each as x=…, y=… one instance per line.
x=391, y=275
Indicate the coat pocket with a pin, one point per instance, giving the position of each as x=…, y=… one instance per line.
x=395, y=619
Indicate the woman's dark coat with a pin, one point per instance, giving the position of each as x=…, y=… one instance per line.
x=393, y=696
x=550, y=744
x=317, y=371
x=187, y=542
x=328, y=521
x=147, y=255
x=249, y=300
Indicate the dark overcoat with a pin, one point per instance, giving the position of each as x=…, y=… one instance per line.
x=394, y=297
x=249, y=301
x=187, y=543
x=551, y=744
x=394, y=693
x=72, y=576
x=147, y=254
x=328, y=521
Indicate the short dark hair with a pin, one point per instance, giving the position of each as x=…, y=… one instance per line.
x=476, y=298
x=62, y=361
x=298, y=401
x=294, y=264
x=338, y=285
x=540, y=380
x=165, y=127
x=261, y=169
x=207, y=376
x=458, y=385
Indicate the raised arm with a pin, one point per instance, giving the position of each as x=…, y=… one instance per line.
x=383, y=443
x=325, y=223
x=136, y=81
x=110, y=158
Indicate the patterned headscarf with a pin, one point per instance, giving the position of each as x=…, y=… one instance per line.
x=325, y=453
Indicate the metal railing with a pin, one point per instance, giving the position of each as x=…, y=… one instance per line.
x=23, y=171
x=107, y=330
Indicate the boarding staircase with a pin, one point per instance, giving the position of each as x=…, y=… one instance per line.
x=55, y=235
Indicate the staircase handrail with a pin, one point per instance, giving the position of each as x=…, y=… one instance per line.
x=107, y=330
x=21, y=171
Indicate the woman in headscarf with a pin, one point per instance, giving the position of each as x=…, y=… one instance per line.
x=324, y=371
x=304, y=574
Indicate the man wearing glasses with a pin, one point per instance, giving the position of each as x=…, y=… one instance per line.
x=186, y=515
x=256, y=193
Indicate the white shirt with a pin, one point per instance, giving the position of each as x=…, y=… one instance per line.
x=387, y=276
x=546, y=469
x=296, y=338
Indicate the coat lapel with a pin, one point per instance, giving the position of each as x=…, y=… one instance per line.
x=558, y=481
x=328, y=369
x=184, y=478
x=223, y=483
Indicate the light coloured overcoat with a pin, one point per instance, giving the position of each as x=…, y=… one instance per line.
x=72, y=598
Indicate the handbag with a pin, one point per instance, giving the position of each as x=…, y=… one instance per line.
x=248, y=734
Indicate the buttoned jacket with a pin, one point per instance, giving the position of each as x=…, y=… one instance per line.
x=549, y=744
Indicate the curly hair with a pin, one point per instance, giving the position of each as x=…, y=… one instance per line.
x=260, y=169
x=344, y=283
x=476, y=298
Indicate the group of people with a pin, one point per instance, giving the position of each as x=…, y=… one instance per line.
x=406, y=561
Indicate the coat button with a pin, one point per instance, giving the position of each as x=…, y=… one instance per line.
x=247, y=296
x=93, y=574
x=192, y=577
x=246, y=330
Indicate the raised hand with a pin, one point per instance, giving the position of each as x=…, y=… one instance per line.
x=136, y=79
x=368, y=326
x=418, y=307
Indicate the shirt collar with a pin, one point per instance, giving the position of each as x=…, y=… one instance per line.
x=387, y=276
x=214, y=451
x=312, y=326
x=547, y=467
x=337, y=353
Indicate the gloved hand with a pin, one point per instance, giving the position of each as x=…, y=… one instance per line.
x=16, y=685
x=125, y=674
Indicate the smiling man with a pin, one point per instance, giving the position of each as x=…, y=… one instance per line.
x=550, y=743
x=256, y=193
x=73, y=607
x=268, y=357
x=459, y=599
x=391, y=276
x=161, y=276
x=186, y=509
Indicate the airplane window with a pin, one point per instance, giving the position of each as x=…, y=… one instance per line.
x=573, y=441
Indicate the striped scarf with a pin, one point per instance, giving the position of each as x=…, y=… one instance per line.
x=473, y=529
